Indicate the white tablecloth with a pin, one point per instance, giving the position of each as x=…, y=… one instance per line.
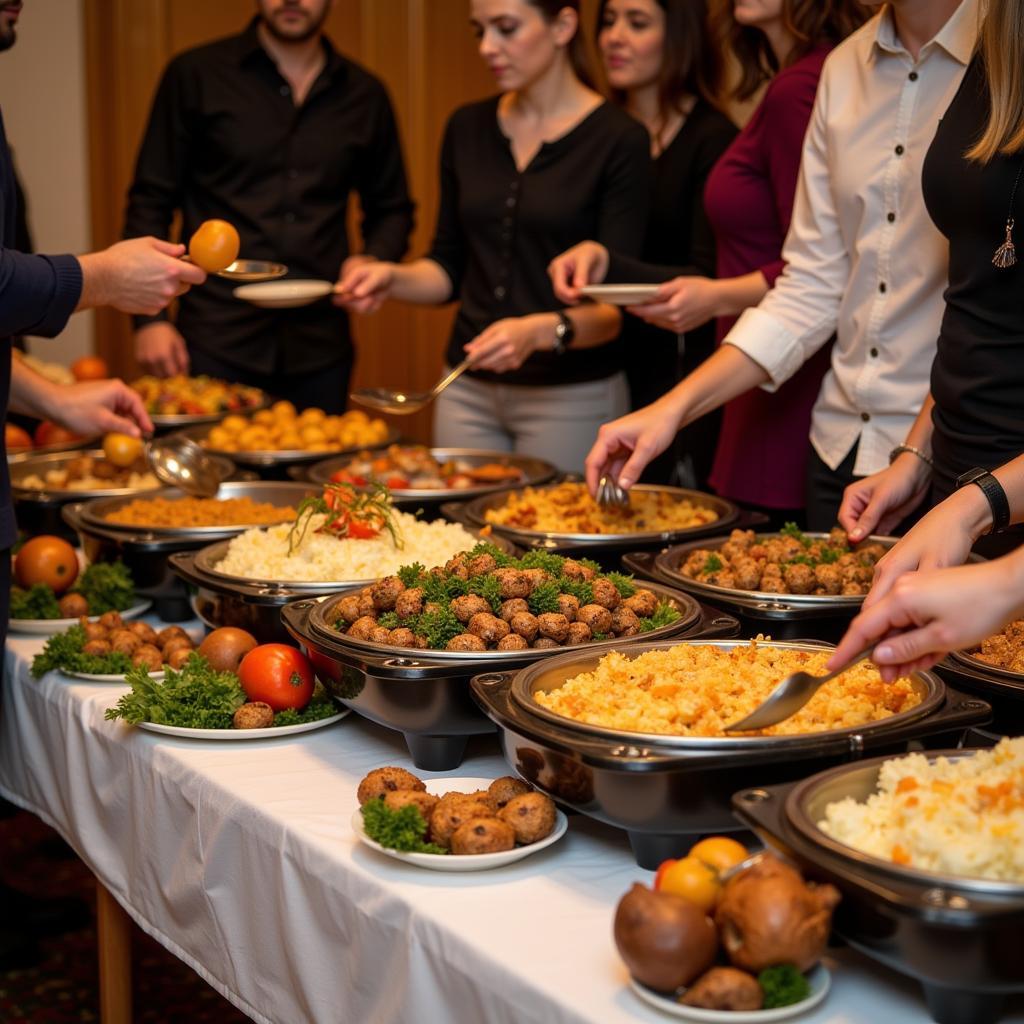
x=239, y=858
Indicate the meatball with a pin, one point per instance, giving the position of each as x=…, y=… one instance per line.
x=553, y=625
x=606, y=594
x=512, y=583
x=168, y=633
x=483, y=835
x=125, y=641
x=643, y=602
x=526, y=625
x=747, y=573
x=96, y=647
x=488, y=627
x=597, y=617
x=452, y=811
x=799, y=578
x=457, y=566
x=577, y=570
x=145, y=632
x=502, y=790
x=385, y=592
x=852, y=589
x=512, y=607
x=72, y=606
x=480, y=565
x=401, y=637
x=465, y=642
x=537, y=577
x=431, y=608
x=531, y=815
x=773, y=585
x=150, y=657
x=828, y=578
x=362, y=627
x=381, y=781
x=838, y=538
x=568, y=606
x=409, y=602
x=625, y=622
x=423, y=802
x=379, y=635
x=465, y=607
x=348, y=608
x=177, y=643
x=253, y=715
x=512, y=642
x=870, y=553
x=579, y=633
x=93, y=630
x=178, y=657
x=366, y=605
x=544, y=643
x=113, y=620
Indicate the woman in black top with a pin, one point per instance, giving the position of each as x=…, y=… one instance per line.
x=662, y=68
x=523, y=176
x=974, y=417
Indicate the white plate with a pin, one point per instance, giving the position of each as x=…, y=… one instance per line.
x=47, y=627
x=241, y=734
x=283, y=294
x=462, y=862
x=620, y=294
x=819, y=978
x=99, y=677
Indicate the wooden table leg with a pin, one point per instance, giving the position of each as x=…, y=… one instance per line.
x=114, y=928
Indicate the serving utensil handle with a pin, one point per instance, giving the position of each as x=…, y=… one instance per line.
x=457, y=372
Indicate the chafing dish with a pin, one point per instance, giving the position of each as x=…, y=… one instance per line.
x=782, y=616
x=1003, y=689
x=425, y=694
x=274, y=465
x=40, y=510
x=959, y=937
x=177, y=421
x=534, y=472
x=658, y=787
x=146, y=551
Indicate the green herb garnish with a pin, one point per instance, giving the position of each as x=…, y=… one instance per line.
x=107, y=587
x=712, y=564
x=64, y=651
x=794, y=531
x=312, y=712
x=38, y=602
x=623, y=584
x=544, y=598
x=489, y=589
x=403, y=829
x=783, y=985
x=664, y=614
x=349, y=513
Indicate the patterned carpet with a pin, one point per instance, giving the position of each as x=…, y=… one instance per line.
x=62, y=988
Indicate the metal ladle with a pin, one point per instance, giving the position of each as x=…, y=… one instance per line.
x=402, y=403
x=180, y=462
x=249, y=270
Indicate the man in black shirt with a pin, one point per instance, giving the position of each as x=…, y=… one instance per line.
x=270, y=130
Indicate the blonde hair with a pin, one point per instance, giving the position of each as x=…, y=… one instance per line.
x=1002, y=50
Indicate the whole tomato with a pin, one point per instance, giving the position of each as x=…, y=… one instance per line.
x=278, y=675
x=48, y=560
x=48, y=433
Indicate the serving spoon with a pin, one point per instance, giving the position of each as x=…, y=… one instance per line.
x=401, y=403
x=791, y=695
x=180, y=462
x=248, y=270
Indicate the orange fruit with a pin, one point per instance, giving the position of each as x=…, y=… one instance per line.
x=719, y=853
x=89, y=368
x=692, y=879
x=15, y=438
x=48, y=560
x=121, y=449
x=214, y=246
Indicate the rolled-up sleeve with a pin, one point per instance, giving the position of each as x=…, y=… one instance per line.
x=38, y=294
x=801, y=312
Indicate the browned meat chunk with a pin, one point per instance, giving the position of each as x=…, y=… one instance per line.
x=488, y=627
x=643, y=602
x=513, y=642
x=597, y=617
x=568, y=606
x=465, y=642
x=512, y=583
x=605, y=594
x=385, y=592
x=526, y=625
x=409, y=602
x=481, y=565
x=148, y=656
x=512, y=607
x=579, y=633
x=553, y=626
x=465, y=607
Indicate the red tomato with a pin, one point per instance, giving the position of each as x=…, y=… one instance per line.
x=396, y=482
x=278, y=675
x=48, y=433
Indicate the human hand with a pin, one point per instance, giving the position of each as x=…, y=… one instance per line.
x=878, y=503
x=364, y=286
x=98, y=407
x=508, y=343
x=160, y=349
x=680, y=305
x=626, y=445
x=583, y=264
x=139, y=275
x=928, y=614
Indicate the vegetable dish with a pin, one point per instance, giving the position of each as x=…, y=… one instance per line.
x=412, y=467
x=198, y=396
x=191, y=512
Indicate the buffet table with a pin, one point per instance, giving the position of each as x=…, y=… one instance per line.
x=240, y=859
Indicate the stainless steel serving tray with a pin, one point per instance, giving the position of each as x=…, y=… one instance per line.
x=728, y=513
x=280, y=458
x=986, y=668
x=175, y=421
x=534, y=472
x=39, y=465
x=555, y=671
x=272, y=492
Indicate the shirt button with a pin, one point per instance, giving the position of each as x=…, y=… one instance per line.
x=881, y=287
x=499, y=292
x=912, y=76
x=890, y=217
x=285, y=91
x=510, y=202
x=899, y=150
x=865, y=416
x=514, y=186
x=874, y=353
x=289, y=217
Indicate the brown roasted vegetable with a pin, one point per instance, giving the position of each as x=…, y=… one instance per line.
x=725, y=988
x=769, y=915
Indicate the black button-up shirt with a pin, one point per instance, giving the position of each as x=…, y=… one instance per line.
x=226, y=140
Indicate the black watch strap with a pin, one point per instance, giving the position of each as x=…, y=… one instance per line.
x=565, y=331
x=994, y=493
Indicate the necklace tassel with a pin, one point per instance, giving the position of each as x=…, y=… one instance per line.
x=1006, y=255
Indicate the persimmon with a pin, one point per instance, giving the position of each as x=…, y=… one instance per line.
x=214, y=245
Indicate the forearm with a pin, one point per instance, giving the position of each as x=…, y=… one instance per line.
x=920, y=434
x=97, y=283
x=422, y=281
x=735, y=294
x=31, y=393
x=594, y=323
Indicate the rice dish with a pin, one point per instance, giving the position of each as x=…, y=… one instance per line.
x=949, y=817
x=324, y=557
x=698, y=689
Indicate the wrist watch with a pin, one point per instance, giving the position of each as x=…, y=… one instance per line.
x=993, y=492
x=565, y=331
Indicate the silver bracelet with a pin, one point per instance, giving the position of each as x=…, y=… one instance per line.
x=901, y=448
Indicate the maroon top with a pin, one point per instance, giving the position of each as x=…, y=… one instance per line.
x=763, y=446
